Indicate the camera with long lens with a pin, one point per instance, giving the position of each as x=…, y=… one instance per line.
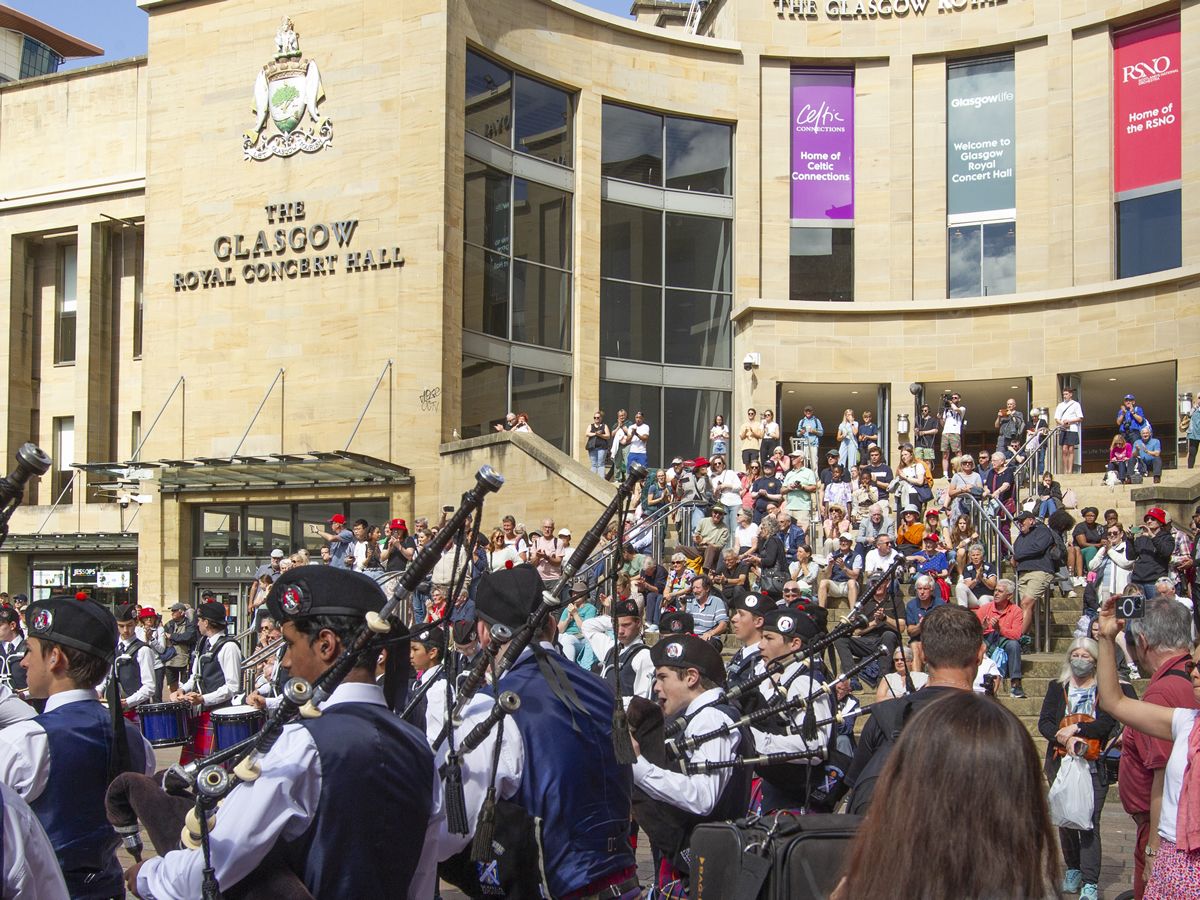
x=1131, y=606
x=946, y=395
x=32, y=462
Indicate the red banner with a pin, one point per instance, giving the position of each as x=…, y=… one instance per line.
x=1147, y=129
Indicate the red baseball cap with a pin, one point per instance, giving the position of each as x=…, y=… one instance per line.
x=398, y=525
x=699, y=462
x=147, y=613
x=1156, y=514
x=338, y=519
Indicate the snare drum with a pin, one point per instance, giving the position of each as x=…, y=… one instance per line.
x=165, y=724
x=234, y=724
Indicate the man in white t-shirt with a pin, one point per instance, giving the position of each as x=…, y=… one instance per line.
x=1070, y=414
x=880, y=558
x=953, y=415
x=637, y=442
x=727, y=489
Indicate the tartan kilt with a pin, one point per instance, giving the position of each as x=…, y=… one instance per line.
x=200, y=744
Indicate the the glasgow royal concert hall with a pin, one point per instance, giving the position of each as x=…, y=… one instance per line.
x=303, y=256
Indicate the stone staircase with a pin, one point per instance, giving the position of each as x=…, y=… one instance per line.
x=1040, y=670
x=1089, y=491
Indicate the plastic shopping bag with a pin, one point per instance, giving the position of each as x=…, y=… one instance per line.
x=1071, y=795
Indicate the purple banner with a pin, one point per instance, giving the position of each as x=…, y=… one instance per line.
x=822, y=145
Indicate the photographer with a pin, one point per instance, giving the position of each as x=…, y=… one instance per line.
x=953, y=416
x=1131, y=418
x=1010, y=423
x=1151, y=551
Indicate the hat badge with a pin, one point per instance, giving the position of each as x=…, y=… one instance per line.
x=751, y=601
x=43, y=620
x=290, y=601
x=674, y=651
x=786, y=623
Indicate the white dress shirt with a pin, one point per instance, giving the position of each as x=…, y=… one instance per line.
x=771, y=690
x=695, y=793
x=13, y=708
x=145, y=663
x=279, y=804
x=25, y=749
x=230, y=659
x=31, y=869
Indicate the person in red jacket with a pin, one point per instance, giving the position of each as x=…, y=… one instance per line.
x=1003, y=623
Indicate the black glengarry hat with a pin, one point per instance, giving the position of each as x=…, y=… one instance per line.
x=79, y=624
x=687, y=651
x=790, y=623
x=508, y=596
x=306, y=591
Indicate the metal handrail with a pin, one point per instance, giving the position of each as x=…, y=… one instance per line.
x=1028, y=472
x=996, y=544
x=656, y=523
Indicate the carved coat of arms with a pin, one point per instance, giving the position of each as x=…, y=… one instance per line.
x=288, y=91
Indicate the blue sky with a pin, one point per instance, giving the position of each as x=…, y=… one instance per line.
x=120, y=27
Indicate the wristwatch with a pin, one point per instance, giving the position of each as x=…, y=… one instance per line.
x=1150, y=851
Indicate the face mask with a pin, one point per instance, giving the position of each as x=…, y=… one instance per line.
x=1082, y=668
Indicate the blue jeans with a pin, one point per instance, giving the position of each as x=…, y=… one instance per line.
x=1150, y=466
x=597, y=457
x=418, y=606
x=1048, y=508
x=1013, y=649
x=653, y=608
x=1120, y=466
x=639, y=458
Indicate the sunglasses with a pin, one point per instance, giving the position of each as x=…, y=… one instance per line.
x=1114, y=534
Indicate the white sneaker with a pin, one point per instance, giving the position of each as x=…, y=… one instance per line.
x=1079, y=581
x=653, y=629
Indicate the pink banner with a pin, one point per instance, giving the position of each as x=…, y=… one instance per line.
x=1147, y=129
x=822, y=145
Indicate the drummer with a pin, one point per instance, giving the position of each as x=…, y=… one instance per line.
x=133, y=666
x=215, y=678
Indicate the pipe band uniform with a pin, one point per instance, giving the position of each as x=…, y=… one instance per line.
x=348, y=801
x=62, y=761
x=133, y=665
x=636, y=669
x=788, y=786
x=12, y=648
x=552, y=833
x=749, y=630
x=215, y=679
x=689, y=676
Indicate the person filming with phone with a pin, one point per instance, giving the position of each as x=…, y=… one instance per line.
x=1151, y=550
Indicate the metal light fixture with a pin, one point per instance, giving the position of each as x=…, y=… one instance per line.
x=901, y=423
x=1185, y=403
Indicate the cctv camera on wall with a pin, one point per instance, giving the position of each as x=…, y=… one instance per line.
x=751, y=361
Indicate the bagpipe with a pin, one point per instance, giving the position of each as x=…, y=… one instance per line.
x=857, y=617
x=210, y=779
x=680, y=745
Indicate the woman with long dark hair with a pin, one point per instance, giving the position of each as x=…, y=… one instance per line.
x=986, y=765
